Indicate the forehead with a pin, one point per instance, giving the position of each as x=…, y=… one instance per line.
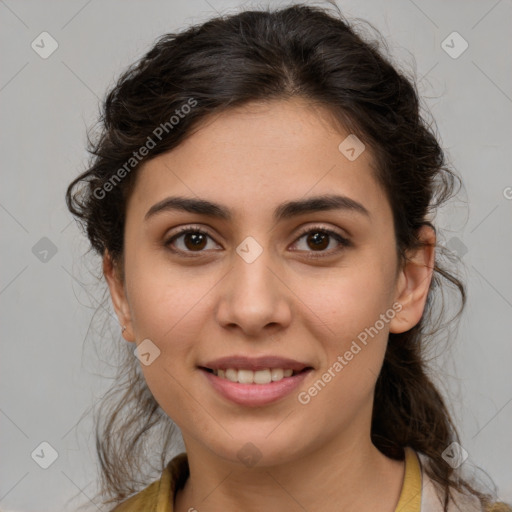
x=258, y=154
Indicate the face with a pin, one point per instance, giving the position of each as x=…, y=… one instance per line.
x=265, y=272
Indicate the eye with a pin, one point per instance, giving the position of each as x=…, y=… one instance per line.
x=189, y=240
x=317, y=239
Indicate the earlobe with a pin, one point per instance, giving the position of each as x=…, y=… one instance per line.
x=118, y=296
x=413, y=282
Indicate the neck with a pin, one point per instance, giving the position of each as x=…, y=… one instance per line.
x=336, y=477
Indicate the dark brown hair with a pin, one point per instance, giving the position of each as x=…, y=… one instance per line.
x=299, y=51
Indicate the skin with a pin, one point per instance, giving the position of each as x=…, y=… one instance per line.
x=317, y=456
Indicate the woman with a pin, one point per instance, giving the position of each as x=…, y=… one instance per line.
x=260, y=195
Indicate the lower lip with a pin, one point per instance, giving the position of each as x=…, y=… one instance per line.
x=254, y=395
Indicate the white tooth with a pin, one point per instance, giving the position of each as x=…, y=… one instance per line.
x=277, y=374
x=232, y=375
x=262, y=377
x=245, y=376
x=249, y=377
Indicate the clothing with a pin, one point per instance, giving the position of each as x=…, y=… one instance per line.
x=417, y=494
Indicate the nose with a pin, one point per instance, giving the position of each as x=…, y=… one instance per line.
x=254, y=298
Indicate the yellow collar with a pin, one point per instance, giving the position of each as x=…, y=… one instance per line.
x=410, y=496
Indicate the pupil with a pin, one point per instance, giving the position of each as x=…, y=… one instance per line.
x=197, y=240
x=320, y=240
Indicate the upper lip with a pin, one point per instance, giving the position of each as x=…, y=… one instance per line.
x=255, y=363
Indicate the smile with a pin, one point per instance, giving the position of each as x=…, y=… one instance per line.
x=255, y=388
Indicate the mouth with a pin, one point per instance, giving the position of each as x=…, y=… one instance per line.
x=254, y=381
x=249, y=388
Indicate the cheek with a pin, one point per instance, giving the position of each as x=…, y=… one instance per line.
x=169, y=308
x=349, y=314
x=348, y=300
x=163, y=297
x=170, y=321
x=353, y=349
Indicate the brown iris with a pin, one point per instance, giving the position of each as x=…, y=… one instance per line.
x=195, y=241
x=319, y=240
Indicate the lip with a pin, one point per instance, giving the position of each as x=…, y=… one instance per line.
x=255, y=363
x=255, y=395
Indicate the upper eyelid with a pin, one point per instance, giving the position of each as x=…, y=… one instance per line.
x=318, y=227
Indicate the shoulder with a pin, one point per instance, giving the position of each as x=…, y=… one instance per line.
x=144, y=500
x=499, y=507
x=461, y=502
x=159, y=495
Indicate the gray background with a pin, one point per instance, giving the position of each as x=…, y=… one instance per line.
x=48, y=374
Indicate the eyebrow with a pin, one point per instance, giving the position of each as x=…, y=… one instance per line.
x=283, y=211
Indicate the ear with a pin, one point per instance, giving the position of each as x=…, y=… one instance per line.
x=115, y=282
x=413, y=282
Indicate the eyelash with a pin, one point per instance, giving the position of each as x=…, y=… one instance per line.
x=344, y=243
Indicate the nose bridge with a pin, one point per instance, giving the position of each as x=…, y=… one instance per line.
x=253, y=297
x=254, y=276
